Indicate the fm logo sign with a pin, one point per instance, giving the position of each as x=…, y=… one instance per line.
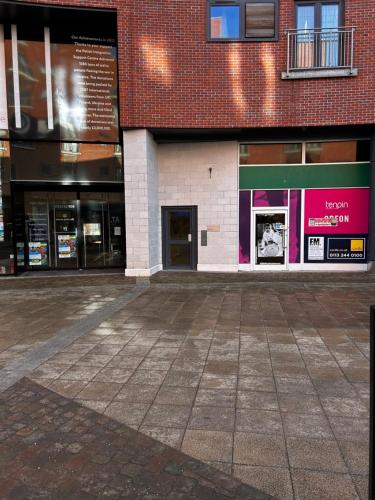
x=314, y=241
x=316, y=248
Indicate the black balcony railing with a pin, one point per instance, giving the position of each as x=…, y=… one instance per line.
x=320, y=49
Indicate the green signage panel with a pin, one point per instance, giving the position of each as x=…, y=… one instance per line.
x=305, y=176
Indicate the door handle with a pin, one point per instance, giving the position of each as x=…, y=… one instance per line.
x=189, y=238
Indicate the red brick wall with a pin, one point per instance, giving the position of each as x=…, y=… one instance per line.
x=172, y=77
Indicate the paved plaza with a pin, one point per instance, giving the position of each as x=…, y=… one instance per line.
x=265, y=379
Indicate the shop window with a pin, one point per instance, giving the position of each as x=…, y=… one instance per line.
x=92, y=163
x=270, y=154
x=104, y=171
x=337, y=151
x=245, y=20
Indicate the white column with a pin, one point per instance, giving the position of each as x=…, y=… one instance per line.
x=3, y=83
x=47, y=54
x=143, y=225
x=16, y=80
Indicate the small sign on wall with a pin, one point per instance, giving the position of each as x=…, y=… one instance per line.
x=346, y=248
x=203, y=238
x=316, y=248
x=323, y=222
x=213, y=228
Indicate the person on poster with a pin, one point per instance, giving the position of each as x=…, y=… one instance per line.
x=272, y=242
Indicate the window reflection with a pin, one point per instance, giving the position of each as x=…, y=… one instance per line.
x=70, y=147
x=6, y=244
x=270, y=154
x=225, y=21
x=260, y=20
x=334, y=152
x=66, y=162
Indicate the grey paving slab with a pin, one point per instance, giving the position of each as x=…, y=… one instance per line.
x=264, y=379
x=22, y=365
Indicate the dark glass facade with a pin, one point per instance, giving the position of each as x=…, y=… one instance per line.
x=69, y=229
x=62, y=206
x=6, y=229
x=61, y=175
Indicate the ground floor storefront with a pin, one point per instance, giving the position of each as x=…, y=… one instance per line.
x=62, y=207
x=294, y=203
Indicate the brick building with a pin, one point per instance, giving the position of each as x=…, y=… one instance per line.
x=246, y=129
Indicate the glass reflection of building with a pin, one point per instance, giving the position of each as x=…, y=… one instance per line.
x=61, y=180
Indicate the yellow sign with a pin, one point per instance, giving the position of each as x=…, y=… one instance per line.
x=356, y=245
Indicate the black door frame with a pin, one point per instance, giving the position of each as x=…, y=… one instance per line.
x=193, y=209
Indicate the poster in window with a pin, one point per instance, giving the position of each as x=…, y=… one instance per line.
x=67, y=246
x=38, y=253
x=92, y=229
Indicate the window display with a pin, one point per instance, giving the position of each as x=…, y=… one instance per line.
x=70, y=230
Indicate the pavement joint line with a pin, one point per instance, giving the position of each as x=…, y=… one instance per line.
x=46, y=290
x=262, y=284
x=20, y=367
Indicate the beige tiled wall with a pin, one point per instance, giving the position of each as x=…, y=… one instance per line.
x=184, y=179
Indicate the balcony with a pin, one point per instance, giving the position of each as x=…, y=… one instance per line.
x=320, y=53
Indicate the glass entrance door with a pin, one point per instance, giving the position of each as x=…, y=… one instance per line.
x=270, y=240
x=65, y=228
x=179, y=238
x=102, y=229
x=94, y=226
x=36, y=250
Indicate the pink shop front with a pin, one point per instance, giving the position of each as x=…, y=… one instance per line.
x=311, y=229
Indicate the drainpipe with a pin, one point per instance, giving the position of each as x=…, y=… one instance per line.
x=371, y=251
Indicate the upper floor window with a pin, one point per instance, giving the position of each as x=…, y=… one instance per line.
x=319, y=40
x=243, y=20
x=318, y=15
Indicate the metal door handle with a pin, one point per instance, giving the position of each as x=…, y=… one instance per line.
x=189, y=238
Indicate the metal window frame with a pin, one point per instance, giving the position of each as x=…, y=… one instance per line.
x=304, y=143
x=242, y=5
x=317, y=4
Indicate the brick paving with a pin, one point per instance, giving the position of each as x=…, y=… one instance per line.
x=51, y=447
x=264, y=381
